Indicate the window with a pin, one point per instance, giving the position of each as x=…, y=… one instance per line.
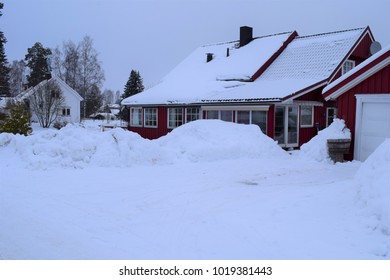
x=192, y=114
x=175, y=117
x=212, y=115
x=348, y=65
x=135, y=116
x=307, y=116
x=243, y=117
x=331, y=114
x=260, y=118
x=150, y=117
x=65, y=111
x=226, y=116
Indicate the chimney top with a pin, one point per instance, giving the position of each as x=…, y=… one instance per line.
x=246, y=35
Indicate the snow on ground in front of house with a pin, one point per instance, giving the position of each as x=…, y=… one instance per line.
x=208, y=190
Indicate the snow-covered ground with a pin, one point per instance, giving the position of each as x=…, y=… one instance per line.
x=208, y=190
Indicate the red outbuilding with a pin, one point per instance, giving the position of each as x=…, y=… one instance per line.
x=363, y=101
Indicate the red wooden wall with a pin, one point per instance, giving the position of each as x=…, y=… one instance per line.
x=154, y=133
x=379, y=83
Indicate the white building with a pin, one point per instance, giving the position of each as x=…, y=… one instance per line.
x=70, y=111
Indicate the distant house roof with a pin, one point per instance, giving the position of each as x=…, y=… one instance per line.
x=361, y=72
x=301, y=62
x=25, y=94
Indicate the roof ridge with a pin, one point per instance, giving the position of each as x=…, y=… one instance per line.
x=275, y=34
x=254, y=38
x=333, y=32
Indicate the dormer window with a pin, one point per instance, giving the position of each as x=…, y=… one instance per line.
x=348, y=65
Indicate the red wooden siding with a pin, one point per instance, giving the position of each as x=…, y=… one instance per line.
x=154, y=133
x=362, y=51
x=376, y=84
x=307, y=133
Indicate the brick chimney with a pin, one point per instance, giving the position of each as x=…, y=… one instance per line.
x=246, y=35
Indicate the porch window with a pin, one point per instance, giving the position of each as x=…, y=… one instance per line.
x=212, y=114
x=260, y=118
x=347, y=66
x=307, y=116
x=243, y=117
x=226, y=115
x=175, y=117
x=150, y=117
x=192, y=114
x=279, y=124
x=136, y=117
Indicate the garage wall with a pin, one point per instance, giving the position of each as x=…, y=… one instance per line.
x=377, y=84
x=372, y=123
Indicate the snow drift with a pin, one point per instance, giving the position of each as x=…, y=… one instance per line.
x=373, y=178
x=317, y=148
x=77, y=147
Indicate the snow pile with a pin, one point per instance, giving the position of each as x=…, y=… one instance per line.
x=78, y=147
x=317, y=147
x=373, y=178
x=210, y=140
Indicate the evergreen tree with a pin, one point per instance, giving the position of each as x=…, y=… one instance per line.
x=4, y=69
x=19, y=120
x=94, y=100
x=134, y=84
x=37, y=60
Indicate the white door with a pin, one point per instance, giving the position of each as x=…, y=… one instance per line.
x=372, y=123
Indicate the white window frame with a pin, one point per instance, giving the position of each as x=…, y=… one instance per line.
x=251, y=117
x=266, y=119
x=66, y=110
x=150, y=112
x=213, y=110
x=139, y=124
x=327, y=114
x=198, y=114
x=347, y=66
x=175, y=120
x=311, y=124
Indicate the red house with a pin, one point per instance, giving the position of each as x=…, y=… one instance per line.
x=363, y=101
x=273, y=81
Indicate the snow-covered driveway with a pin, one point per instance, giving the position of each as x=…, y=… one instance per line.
x=277, y=207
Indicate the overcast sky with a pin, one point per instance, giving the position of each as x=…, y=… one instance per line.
x=153, y=36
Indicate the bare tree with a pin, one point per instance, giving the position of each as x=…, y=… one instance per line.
x=46, y=101
x=17, y=77
x=91, y=73
x=108, y=97
x=56, y=60
x=78, y=65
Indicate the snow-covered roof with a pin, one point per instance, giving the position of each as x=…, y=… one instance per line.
x=25, y=94
x=331, y=88
x=309, y=60
x=306, y=61
x=194, y=79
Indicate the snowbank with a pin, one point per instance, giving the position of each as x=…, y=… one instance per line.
x=78, y=147
x=317, y=148
x=373, y=178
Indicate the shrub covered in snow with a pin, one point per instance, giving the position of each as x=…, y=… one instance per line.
x=373, y=178
x=317, y=148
